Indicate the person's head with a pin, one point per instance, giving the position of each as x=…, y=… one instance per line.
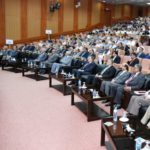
x=141, y=49
x=137, y=68
x=91, y=59
x=125, y=67
x=133, y=55
x=115, y=53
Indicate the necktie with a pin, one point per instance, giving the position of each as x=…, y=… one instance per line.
x=130, y=79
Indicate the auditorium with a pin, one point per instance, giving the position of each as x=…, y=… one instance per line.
x=75, y=75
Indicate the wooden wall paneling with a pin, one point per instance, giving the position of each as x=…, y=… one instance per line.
x=122, y=12
x=34, y=18
x=95, y=12
x=61, y=17
x=75, y=17
x=24, y=19
x=52, y=21
x=148, y=11
x=112, y=14
x=43, y=16
x=127, y=10
x=102, y=14
x=2, y=22
x=68, y=15
x=131, y=11
x=118, y=12
x=82, y=15
x=89, y=14
x=13, y=19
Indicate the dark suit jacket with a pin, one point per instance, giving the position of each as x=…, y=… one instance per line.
x=133, y=63
x=137, y=82
x=85, y=55
x=109, y=73
x=117, y=60
x=89, y=67
x=141, y=55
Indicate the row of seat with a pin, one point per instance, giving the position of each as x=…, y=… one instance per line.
x=124, y=59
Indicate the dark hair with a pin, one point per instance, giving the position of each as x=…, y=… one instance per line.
x=115, y=52
x=126, y=66
x=92, y=56
x=134, y=54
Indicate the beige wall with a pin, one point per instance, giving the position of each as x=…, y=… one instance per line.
x=68, y=15
x=59, y=21
x=12, y=19
x=95, y=12
x=135, y=11
x=82, y=15
x=118, y=12
x=52, y=19
x=34, y=18
x=149, y=12
x=127, y=10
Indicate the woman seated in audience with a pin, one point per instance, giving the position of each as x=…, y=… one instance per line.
x=134, y=60
x=146, y=119
x=137, y=101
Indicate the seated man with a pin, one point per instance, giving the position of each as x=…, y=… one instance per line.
x=65, y=61
x=135, y=82
x=87, y=69
x=146, y=118
x=116, y=58
x=51, y=59
x=140, y=53
x=107, y=73
x=137, y=101
x=119, y=79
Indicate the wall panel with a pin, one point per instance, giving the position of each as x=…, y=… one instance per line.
x=82, y=14
x=34, y=18
x=95, y=12
x=127, y=10
x=28, y=19
x=118, y=12
x=149, y=12
x=2, y=23
x=68, y=15
x=52, y=19
x=12, y=18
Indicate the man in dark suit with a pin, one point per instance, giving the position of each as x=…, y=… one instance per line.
x=116, y=59
x=141, y=54
x=134, y=60
x=87, y=69
x=107, y=73
x=119, y=79
x=135, y=82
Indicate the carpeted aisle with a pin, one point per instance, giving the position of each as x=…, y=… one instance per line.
x=36, y=117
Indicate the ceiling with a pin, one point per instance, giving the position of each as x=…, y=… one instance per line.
x=134, y=2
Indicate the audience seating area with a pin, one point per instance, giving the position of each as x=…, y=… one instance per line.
x=88, y=55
